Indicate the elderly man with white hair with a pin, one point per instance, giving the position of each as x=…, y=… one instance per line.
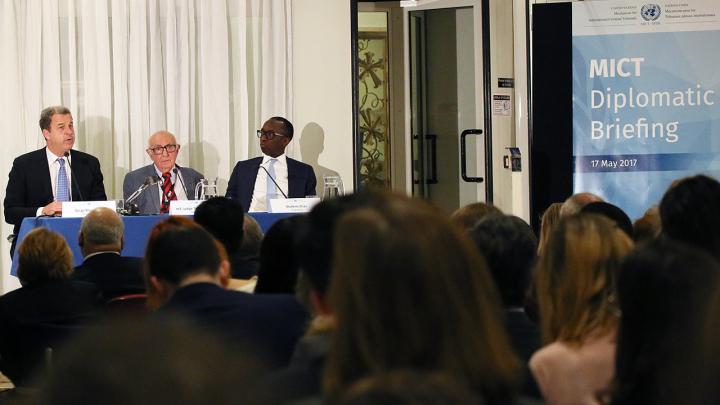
x=101, y=241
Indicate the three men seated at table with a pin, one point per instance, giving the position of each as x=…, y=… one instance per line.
x=40, y=181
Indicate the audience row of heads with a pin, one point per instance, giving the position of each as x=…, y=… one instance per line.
x=406, y=288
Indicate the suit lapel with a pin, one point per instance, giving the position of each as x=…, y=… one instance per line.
x=76, y=172
x=44, y=175
x=151, y=194
x=292, y=184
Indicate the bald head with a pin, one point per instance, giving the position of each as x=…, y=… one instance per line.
x=101, y=230
x=576, y=202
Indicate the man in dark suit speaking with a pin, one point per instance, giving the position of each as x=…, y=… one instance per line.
x=40, y=181
x=255, y=181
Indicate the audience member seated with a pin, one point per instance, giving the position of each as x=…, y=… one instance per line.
x=187, y=273
x=252, y=240
x=37, y=318
x=314, y=250
x=408, y=388
x=101, y=241
x=647, y=228
x=689, y=213
x=151, y=363
x=574, y=204
x=665, y=290
x=509, y=245
x=575, y=286
x=410, y=291
x=224, y=219
x=550, y=218
x=612, y=213
x=468, y=216
x=278, y=264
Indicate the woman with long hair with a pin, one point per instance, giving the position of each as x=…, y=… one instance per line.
x=575, y=288
x=409, y=291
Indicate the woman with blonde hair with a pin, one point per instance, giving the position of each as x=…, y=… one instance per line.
x=409, y=291
x=575, y=288
x=550, y=218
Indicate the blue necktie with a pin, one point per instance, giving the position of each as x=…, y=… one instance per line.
x=63, y=191
x=271, y=189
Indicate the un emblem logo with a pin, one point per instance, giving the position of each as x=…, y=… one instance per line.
x=650, y=12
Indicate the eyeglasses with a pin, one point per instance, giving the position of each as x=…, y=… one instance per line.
x=269, y=135
x=158, y=150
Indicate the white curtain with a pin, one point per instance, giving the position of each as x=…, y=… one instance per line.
x=210, y=71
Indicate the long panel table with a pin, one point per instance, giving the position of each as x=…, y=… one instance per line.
x=137, y=229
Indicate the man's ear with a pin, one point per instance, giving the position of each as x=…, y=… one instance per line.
x=224, y=273
x=319, y=303
x=161, y=289
x=122, y=242
x=45, y=134
x=81, y=239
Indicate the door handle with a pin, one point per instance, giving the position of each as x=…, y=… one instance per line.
x=463, y=157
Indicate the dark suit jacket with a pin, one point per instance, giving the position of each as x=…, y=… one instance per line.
x=29, y=186
x=39, y=316
x=149, y=200
x=113, y=274
x=268, y=326
x=301, y=180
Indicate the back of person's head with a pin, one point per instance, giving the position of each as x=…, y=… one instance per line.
x=278, y=263
x=409, y=290
x=665, y=290
x=179, y=251
x=252, y=238
x=647, y=227
x=509, y=247
x=102, y=227
x=158, y=362
x=408, y=387
x=468, y=216
x=315, y=238
x=576, y=275
x=576, y=202
x=224, y=219
x=611, y=212
x=550, y=218
x=43, y=256
x=689, y=212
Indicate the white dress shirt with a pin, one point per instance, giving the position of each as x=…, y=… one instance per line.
x=54, y=167
x=179, y=189
x=259, y=201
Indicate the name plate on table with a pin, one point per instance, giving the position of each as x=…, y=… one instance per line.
x=78, y=209
x=284, y=205
x=184, y=207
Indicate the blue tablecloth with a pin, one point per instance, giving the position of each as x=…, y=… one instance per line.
x=136, y=232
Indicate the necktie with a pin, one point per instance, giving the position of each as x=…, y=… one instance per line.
x=271, y=188
x=168, y=191
x=62, y=192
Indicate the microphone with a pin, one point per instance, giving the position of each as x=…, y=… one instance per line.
x=149, y=181
x=273, y=180
x=182, y=183
x=73, y=179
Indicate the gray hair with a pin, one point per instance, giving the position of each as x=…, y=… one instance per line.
x=102, y=226
x=575, y=203
x=252, y=238
x=47, y=113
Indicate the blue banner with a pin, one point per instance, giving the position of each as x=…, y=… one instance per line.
x=646, y=98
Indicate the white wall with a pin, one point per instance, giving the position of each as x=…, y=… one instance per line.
x=322, y=86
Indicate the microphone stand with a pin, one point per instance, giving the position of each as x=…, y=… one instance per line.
x=274, y=182
x=73, y=179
